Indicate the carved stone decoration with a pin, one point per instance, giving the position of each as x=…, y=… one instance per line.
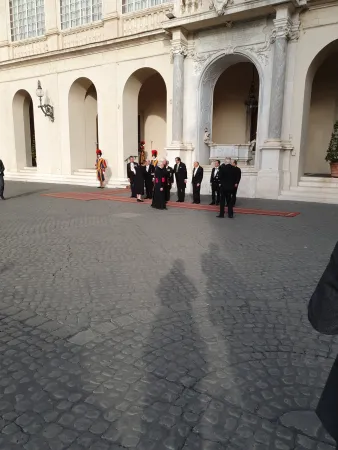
x=28, y=48
x=207, y=137
x=191, y=50
x=82, y=36
x=219, y=6
x=295, y=31
x=189, y=6
x=201, y=59
x=261, y=51
x=282, y=30
x=178, y=48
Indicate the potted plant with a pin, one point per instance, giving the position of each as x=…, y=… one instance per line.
x=332, y=152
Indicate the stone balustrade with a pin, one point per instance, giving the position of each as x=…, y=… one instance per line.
x=241, y=152
x=145, y=20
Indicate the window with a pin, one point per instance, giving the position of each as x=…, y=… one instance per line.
x=136, y=5
x=27, y=19
x=80, y=12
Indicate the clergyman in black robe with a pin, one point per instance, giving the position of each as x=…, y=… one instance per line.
x=160, y=180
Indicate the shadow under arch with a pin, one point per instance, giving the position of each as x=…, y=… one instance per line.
x=83, y=123
x=208, y=79
x=134, y=119
x=24, y=129
x=314, y=66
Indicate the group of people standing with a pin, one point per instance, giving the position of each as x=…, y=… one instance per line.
x=154, y=179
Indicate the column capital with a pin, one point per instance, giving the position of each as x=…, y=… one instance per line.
x=282, y=29
x=178, y=47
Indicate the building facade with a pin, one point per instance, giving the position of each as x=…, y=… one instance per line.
x=253, y=79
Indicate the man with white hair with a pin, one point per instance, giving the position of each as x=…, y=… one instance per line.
x=228, y=183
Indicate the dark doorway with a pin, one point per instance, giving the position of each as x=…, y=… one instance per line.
x=32, y=133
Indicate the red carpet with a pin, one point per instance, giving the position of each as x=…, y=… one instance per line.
x=119, y=195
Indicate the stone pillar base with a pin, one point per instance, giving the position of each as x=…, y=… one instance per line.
x=183, y=151
x=269, y=183
x=274, y=174
x=270, y=175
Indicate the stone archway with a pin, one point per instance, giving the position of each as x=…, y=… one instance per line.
x=83, y=124
x=144, y=112
x=212, y=73
x=320, y=111
x=24, y=130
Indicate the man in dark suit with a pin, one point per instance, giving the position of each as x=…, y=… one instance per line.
x=2, y=181
x=181, y=176
x=131, y=173
x=214, y=181
x=227, y=178
x=170, y=179
x=197, y=177
x=239, y=176
x=149, y=178
x=323, y=316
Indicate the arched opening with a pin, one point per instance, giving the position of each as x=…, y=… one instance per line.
x=322, y=112
x=229, y=110
x=235, y=105
x=83, y=124
x=145, y=113
x=24, y=130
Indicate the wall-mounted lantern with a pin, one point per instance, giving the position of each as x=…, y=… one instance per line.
x=47, y=109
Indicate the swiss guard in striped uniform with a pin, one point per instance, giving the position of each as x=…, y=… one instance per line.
x=100, y=166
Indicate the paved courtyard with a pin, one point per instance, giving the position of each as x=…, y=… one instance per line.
x=126, y=327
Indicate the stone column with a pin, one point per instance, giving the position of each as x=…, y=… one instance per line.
x=270, y=175
x=179, y=51
x=4, y=31
x=178, y=147
x=280, y=39
x=52, y=20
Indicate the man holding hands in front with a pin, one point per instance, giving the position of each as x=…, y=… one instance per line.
x=228, y=183
x=181, y=176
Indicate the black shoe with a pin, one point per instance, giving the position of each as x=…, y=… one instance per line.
x=220, y=217
x=217, y=204
x=212, y=203
x=231, y=216
x=140, y=200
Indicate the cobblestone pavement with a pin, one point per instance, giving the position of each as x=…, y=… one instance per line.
x=123, y=327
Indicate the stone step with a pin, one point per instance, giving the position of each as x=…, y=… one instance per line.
x=84, y=180
x=85, y=171
x=309, y=195
x=318, y=189
x=318, y=181
x=28, y=170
